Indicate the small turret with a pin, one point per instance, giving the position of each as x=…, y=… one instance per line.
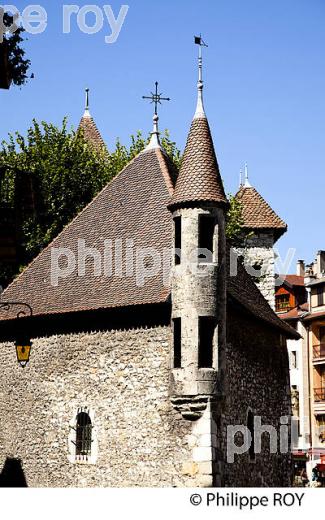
x=198, y=208
x=262, y=227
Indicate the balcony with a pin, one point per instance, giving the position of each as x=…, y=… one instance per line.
x=319, y=353
x=319, y=395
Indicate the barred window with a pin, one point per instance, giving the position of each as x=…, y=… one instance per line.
x=83, y=434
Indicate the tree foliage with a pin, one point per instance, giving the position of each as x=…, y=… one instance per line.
x=234, y=219
x=18, y=65
x=62, y=173
x=50, y=174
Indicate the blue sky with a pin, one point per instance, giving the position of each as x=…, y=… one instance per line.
x=264, y=90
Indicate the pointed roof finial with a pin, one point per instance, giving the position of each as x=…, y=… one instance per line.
x=200, y=107
x=155, y=98
x=247, y=183
x=240, y=177
x=87, y=113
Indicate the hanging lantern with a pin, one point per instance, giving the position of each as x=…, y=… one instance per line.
x=23, y=351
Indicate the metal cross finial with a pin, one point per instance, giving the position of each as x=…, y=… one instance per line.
x=156, y=98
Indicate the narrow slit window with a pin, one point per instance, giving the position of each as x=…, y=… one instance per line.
x=206, y=237
x=83, y=434
x=206, y=333
x=178, y=239
x=177, y=343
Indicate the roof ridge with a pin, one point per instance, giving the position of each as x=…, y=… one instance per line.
x=162, y=158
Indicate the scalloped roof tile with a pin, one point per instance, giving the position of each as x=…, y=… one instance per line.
x=257, y=213
x=199, y=177
x=91, y=132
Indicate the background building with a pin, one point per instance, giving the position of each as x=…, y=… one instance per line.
x=300, y=300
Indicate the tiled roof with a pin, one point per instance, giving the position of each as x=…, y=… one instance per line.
x=91, y=132
x=244, y=290
x=314, y=316
x=293, y=279
x=199, y=178
x=294, y=313
x=133, y=206
x=257, y=214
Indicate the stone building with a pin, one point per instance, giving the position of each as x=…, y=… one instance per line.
x=150, y=357
x=262, y=228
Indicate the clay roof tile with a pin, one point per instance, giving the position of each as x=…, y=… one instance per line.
x=199, y=177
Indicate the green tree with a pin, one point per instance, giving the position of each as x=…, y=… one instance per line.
x=63, y=173
x=235, y=220
x=13, y=54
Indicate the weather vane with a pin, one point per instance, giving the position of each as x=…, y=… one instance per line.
x=198, y=40
x=156, y=98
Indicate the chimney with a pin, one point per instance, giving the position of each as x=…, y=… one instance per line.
x=320, y=263
x=300, y=268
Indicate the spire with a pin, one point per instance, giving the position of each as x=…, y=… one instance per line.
x=200, y=106
x=240, y=178
x=154, y=140
x=89, y=128
x=87, y=113
x=199, y=178
x=155, y=98
x=247, y=183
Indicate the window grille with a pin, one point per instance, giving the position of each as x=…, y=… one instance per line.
x=83, y=434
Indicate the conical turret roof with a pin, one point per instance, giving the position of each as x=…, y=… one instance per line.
x=199, y=177
x=89, y=128
x=257, y=213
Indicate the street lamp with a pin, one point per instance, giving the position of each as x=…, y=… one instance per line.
x=23, y=349
x=23, y=343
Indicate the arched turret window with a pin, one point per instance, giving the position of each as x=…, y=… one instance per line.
x=83, y=434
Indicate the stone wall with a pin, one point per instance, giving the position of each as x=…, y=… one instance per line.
x=139, y=438
x=259, y=258
x=257, y=379
x=122, y=377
